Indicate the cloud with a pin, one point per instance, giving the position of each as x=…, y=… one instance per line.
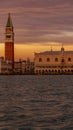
x=39, y=20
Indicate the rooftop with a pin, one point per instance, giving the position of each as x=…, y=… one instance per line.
x=9, y=21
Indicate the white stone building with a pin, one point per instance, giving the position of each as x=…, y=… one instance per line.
x=54, y=62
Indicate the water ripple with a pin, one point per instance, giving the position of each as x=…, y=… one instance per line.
x=36, y=102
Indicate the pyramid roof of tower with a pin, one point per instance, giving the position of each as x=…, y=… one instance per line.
x=9, y=21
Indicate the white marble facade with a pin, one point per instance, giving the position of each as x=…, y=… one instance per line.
x=53, y=62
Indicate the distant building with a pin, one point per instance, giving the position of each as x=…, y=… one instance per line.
x=24, y=67
x=18, y=67
x=9, y=41
x=5, y=67
x=53, y=62
x=29, y=67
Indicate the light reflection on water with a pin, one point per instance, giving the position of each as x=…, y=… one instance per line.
x=36, y=102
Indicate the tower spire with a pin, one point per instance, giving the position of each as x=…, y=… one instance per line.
x=9, y=21
x=51, y=48
x=62, y=49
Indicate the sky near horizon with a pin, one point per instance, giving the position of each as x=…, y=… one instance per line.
x=37, y=23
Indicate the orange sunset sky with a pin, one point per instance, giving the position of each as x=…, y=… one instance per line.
x=24, y=51
x=38, y=25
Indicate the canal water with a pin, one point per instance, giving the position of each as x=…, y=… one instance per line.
x=30, y=102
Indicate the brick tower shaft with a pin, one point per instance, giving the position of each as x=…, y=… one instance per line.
x=9, y=41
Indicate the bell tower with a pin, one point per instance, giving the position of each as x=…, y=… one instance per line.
x=9, y=41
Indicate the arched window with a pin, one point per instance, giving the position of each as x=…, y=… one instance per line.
x=55, y=70
x=36, y=71
x=49, y=70
x=62, y=71
x=58, y=70
x=62, y=60
x=46, y=70
x=69, y=59
x=43, y=71
x=52, y=70
x=56, y=59
x=48, y=59
x=40, y=59
x=68, y=70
